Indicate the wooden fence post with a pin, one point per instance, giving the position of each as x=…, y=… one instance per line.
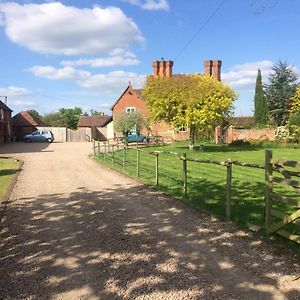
x=124, y=158
x=184, y=169
x=98, y=148
x=112, y=154
x=94, y=148
x=137, y=162
x=268, y=188
x=228, y=189
x=156, y=169
x=105, y=150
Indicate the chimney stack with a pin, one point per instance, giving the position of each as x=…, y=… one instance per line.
x=162, y=68
x=208, y=65
x=217, y=69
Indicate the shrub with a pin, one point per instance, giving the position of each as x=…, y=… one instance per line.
x=238, y=143
x=282, y=134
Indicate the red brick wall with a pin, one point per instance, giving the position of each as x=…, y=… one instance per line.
x=5, y=127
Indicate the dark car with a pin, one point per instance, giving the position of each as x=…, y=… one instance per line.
x=39, y=136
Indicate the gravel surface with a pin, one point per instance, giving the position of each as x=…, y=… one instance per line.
x=76, y=230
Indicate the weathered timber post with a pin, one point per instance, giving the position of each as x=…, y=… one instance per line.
x=268, y=188
x=94, y=148
x=156, y=169
x=137, y=162
x=124, y=158
x=98, y=146
x=184, y=174
x=228, y=189
x=113, y=154
x=104, y=150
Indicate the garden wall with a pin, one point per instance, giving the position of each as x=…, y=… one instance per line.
x=229, y=134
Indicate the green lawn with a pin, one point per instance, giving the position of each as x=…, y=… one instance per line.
x=207, y=182
x=8, y=168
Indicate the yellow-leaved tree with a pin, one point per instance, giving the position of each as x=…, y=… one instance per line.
x=196, y=101
x=295, y=102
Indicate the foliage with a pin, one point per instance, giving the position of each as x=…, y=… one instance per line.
x=36, y=114
x=282, y=133
x=294, y=126
x=196, y=101
x=66, y=117
x=279, y=91
x=96, y=113
x=260, y=106
x=295, y=101
x=127, y=122
x=240, y=143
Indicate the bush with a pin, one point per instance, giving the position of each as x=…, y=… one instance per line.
x=238, y=143
x=294, y=127
x=282, y=134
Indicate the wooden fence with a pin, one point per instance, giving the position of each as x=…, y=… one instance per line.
x=276, y=220
x=63, y=134
x=271, y=166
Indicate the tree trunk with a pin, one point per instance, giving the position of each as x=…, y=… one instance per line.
x=192, y=138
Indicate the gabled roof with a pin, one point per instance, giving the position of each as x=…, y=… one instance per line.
x=24, y=118
x=93, y=121
x=4, y=106
x=138, y=92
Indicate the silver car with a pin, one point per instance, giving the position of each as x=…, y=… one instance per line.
x=39, y=136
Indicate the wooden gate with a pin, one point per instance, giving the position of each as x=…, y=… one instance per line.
x=277, y=221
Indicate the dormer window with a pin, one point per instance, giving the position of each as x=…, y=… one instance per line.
x=130, y=109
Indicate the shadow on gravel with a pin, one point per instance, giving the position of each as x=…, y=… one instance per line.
x=129, y=243
x=22, y=147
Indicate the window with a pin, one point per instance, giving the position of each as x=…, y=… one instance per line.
x=130, y=109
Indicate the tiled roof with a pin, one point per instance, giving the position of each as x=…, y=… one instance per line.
x=93, y=121
x=24, y=118
x=241, y=121
x=4, y=106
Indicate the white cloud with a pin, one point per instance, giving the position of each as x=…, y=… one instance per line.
x=243, y=76
x=53, y=28
x=23, y=103
x=14, y=91
x=150, y=4
x=52, y=73
x=109, y=61
x=109, y=83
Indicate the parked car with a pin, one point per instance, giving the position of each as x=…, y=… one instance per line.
x=134, y=137
x=39, y=136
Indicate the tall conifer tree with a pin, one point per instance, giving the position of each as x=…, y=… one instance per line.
x=260, y=107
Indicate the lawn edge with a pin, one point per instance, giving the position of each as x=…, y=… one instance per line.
x=5, y=199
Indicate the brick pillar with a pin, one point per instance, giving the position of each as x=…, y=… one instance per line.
x=169, y=68
x=230, y=137
x=217, y=69
x=155, y=65
x=208, y=64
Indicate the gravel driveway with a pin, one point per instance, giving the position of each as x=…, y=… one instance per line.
x=76, y=230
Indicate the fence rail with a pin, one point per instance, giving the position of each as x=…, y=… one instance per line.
x=119, y=155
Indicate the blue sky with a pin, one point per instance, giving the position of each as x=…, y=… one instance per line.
x=83, y=53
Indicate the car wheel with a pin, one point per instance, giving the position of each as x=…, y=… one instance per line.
x=49, y=140
x=28, y=140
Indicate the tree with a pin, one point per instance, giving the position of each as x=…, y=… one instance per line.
x=96, y=113
x=196, y=101
x=260, y=106
x=36, y=114
x=295, y=101
x=279, y=91
x=127, y=122
x=66, y=117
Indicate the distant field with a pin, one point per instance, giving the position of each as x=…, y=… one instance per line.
x=207, y=182
x=8, y=168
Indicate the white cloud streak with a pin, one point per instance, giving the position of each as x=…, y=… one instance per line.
x=109, y=83
x=243, y=76
x=57, y=29
x=14, y=91
x=150, y=4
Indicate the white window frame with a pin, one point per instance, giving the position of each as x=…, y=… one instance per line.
x=130, y=109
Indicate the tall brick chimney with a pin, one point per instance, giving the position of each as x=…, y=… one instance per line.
x=217, y=69
x=162, y=68
x=169, y=68
x=208, y=66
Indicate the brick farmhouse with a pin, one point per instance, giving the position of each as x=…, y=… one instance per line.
x=132, y=100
